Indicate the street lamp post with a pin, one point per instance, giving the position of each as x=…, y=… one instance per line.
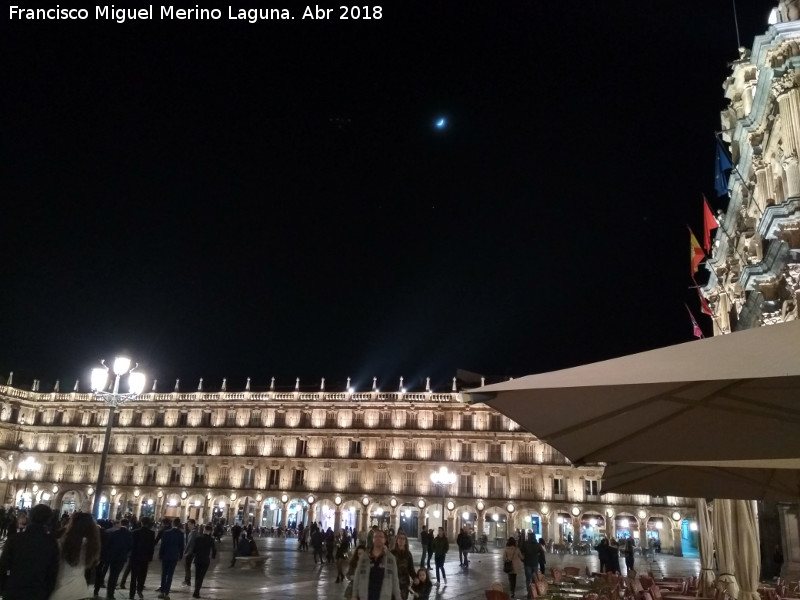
x=122, y=366
x=29, y=465
x=443, y=478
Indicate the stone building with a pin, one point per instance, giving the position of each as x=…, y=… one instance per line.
x=755, y=263
x=755, y=266
x=346, y=458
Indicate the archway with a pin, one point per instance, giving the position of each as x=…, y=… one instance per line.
x=219, y=508
x=147, y=507
x=69, y=502
x=296, y=513
x=196, y=507
x=351, y=512
x=625, y=526
x=496, y=525
x=531, y=522
x=326, y=515
x=172, y=506
x=271, y=514
x=380, y=515
x=592, y=527
x=409, y=520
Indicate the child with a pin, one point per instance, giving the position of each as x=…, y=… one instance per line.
x=421, y=587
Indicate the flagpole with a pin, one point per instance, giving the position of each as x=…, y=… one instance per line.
x=736, y=22
x=735, y=169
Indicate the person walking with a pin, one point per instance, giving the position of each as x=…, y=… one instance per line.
x=188, y=553
x=236, y=531
x=120, y=542
x=376, y=576
x=341, y=556
x=360, y=551
x=317, y=540
x=464, y=543
x=612, y=560
x=30, y=560
x=170, y=552
x=144, y=544
x=530, y=558
x=627, y=551
x=542, y=555
x=203, y=550
x=423, y=539
x=602, y=554
x=440, y=547
x=80, y=551
x=330, y=545
x=512, y=564
x=405, y=563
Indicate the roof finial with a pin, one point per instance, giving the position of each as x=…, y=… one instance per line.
x=483, y=381
x=10, y=378
x=224, y=384
x=322, y=385
x=454, y=385
x=347, y=387
x=155, y=382
x=200, y=385
x=177, y=384
x=35, y=386
x=297, y=385
x=374, y=384
x=77, y=383
x=272, y=385
x=56, y=386
x=401, y=384
x=247, y=385
x=427, y=384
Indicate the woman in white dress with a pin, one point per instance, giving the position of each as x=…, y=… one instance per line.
x=80, y=550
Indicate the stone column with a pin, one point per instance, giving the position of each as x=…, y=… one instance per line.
x=284, y=515
x=137, y=507
x=764, y=190
x=337, y=519
x=393, y=520
x=184, y=511
x=677, y=542
x=312, y=514
x=642, y=534
x=452, y=534
x=788, y=97
x=364, y=513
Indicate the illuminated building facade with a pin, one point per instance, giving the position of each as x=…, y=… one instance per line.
x=347, y=458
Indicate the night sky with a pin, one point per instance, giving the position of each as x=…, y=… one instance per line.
x=225, y=199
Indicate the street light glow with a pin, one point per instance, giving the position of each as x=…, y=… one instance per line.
x=136, y=383
x=122, y=365
x=99, y=378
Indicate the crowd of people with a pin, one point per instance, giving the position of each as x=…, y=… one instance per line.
x=74, y=557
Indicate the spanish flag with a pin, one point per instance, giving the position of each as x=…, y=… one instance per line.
x=696, y=254
x=709, y=224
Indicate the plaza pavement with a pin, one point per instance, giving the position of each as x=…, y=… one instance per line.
x=292, y=575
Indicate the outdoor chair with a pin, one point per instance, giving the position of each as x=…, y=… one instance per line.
x=572, y=571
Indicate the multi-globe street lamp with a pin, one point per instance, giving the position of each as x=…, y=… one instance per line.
x=28, y=466
x=122, y=367
x=444, y=479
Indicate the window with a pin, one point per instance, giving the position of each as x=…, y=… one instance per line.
x=354, y=479
x=526, y=485
x=558, y=486
x=69, y=473
x=127, y=475
x=355, y=448
x=159, y=420
x=183, y=419
x=299, y=478
x=150, y=476
x=437, y=450
x=248, y=478
x=466, y=485
x=155, y=445
x=302, y=448
x=495, y=453
x=410, y=480
x=175, y=475
x=466, y=451
x=325, y=478
x=224, y=476
x=274, y=477
x=178, y=445
x=381, y=480
x=255, y=418
x=496, y=486
x=199, y=475
x=202, y=445
x=590, y=487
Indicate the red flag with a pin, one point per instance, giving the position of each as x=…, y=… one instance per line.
x=704, y=307
x=696, y=331
x=709, y=224
x=696, y=253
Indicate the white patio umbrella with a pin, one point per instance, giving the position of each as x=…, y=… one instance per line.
x=724, y=540
x=747, y=558
x=734, y=396
x=780, y=480
x=706, y=542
